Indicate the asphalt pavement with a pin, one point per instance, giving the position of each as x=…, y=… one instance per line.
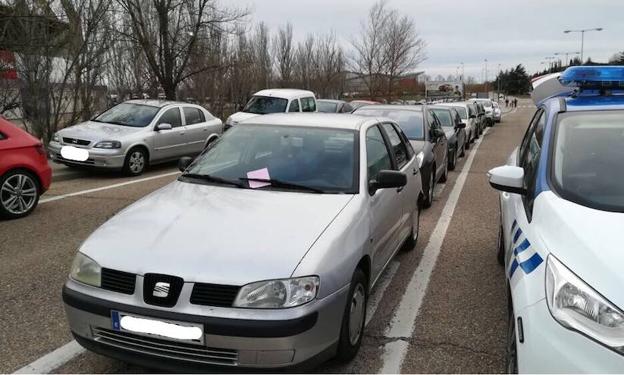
x=439, y=308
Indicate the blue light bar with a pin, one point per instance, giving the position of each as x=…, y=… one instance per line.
x=596, y=77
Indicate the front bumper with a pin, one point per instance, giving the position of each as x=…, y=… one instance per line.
x=551, y=348
x=274, y=339
x=98, y=158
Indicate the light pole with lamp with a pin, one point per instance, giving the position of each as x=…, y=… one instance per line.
x=582, y=31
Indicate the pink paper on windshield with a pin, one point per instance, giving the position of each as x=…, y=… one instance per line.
x=260, y=173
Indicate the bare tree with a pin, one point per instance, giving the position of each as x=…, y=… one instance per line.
x=284, y=54
x=262, y=57
x=168, y=32
x=304, y=68
x=331, y=63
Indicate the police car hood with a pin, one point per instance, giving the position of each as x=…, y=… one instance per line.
x=587, y=241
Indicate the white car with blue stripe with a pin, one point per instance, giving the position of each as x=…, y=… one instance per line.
x=562, y=227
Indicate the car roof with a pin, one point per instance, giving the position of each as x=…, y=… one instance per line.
x=312, y=119
x=330, y=101
x=284, y=93
x=414, y=107
x=155, y=102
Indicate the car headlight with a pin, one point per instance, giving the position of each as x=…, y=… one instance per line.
x=578, y=307
x=420, y=158
x=277, y=294
x=86, y=270
x=56, y=138
x=108, y=144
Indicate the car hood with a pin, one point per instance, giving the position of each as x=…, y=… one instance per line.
x=585, y=240
x=214, y=234
x=242, y=116
x=417, y=145
x=98, y=131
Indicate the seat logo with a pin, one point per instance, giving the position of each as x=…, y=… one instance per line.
x=161, y=289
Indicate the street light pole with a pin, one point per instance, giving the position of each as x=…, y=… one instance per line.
x=486, y=79
x=582, y=31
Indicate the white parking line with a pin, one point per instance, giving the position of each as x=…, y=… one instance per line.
x=380, y=288
x=83, y=192
x=53, y=360
x=401, y=326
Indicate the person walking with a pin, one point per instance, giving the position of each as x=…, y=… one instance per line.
x=515, y=102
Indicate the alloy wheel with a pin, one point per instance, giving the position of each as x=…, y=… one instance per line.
x=18, y=194
x=356, y=314
x=136, y=162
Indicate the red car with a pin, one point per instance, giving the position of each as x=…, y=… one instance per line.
x=24, y=171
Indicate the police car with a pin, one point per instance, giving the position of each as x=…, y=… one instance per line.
x=562, y=227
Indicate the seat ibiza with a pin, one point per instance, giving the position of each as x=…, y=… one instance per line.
x=261, y=254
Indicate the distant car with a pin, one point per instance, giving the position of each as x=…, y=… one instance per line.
x=560, y=231
x=261, y=255
x=134, y=134
x=468, y=114
x=24, y=171
x=455, y=132
x=424, y=130
x=498, y=115
x=274, y=101
x=489, y=110
x=333, y=106
x=481, y=119
x=355, y=104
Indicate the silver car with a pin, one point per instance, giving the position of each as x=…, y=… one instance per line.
x=136, y=133
x=262, y=254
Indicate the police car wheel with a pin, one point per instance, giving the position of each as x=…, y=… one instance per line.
x=500, y=256
x=512, y=352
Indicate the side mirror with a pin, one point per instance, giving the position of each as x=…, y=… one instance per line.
x=473, y=116
x=460, y=125
x=163, y=126
x=387, y=179
x=507, y=178
x=184, y=162
x=437, y=133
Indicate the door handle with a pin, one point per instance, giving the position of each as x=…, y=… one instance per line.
x=414, y=172
x=400, y=188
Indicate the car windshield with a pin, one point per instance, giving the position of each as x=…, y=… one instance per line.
x=129, y=114
x=318, y=158
x=265, y=104
x=444, y=116
x=589, y=152
x=327, y=107
x=410, y=121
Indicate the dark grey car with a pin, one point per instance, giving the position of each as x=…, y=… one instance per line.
x=455, y=133
x=333, y=106
x=424, y=131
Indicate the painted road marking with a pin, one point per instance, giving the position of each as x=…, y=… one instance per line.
x=402, y=324
x=53, y=360
x=83, y=192
x=379, y=290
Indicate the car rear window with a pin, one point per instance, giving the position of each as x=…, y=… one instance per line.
x=327, y=107
x=587, y=159
x=193, y=115
x=444, y=115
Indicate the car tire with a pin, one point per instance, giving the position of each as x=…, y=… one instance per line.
x=463, y=151
x=468, y=142
x=500, y=256
x=444, y=176
x=412, y=240
x=136, y=161
x=452, y=161
x=353, y=319
x=18, y=187
x=428, y=200
x=511, y=353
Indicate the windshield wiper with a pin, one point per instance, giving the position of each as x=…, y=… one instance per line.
x=283, y=184
x=207, y=177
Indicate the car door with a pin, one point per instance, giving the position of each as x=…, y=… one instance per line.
x=197, y=129
x=169, y=144
x=439, y=144
x=385, y=211
x=517, y=210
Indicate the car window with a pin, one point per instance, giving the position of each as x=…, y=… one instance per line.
x=433, y=120
x=294, y=106
x=172, y=117
x=265, y=104
x=377, y=156
x=398, y=147
x=346, y=108
x=2, y=136
x=308, y=105
x=193, y=115
x=462, y=112
x=529, y=161
x=444, y=115
x=327, y=107
x=587, y=159
x=525, y=140
x=411, y=122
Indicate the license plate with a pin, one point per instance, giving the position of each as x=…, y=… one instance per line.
x=74, y=153
x=168, y=329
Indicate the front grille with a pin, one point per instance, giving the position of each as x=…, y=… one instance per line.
x=165, y=348
x=60, y=158
x=214, y=294
x=118, y=281
x=75, y=141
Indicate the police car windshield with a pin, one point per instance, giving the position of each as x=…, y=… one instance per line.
x=588, y=159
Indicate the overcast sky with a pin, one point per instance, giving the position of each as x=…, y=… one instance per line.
x=502, y=31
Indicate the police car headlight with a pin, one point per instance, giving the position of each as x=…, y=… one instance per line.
x=86, y=270
x=277, y=294
x=578, y=307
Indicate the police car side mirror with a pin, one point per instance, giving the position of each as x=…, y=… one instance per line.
x=507, y=178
